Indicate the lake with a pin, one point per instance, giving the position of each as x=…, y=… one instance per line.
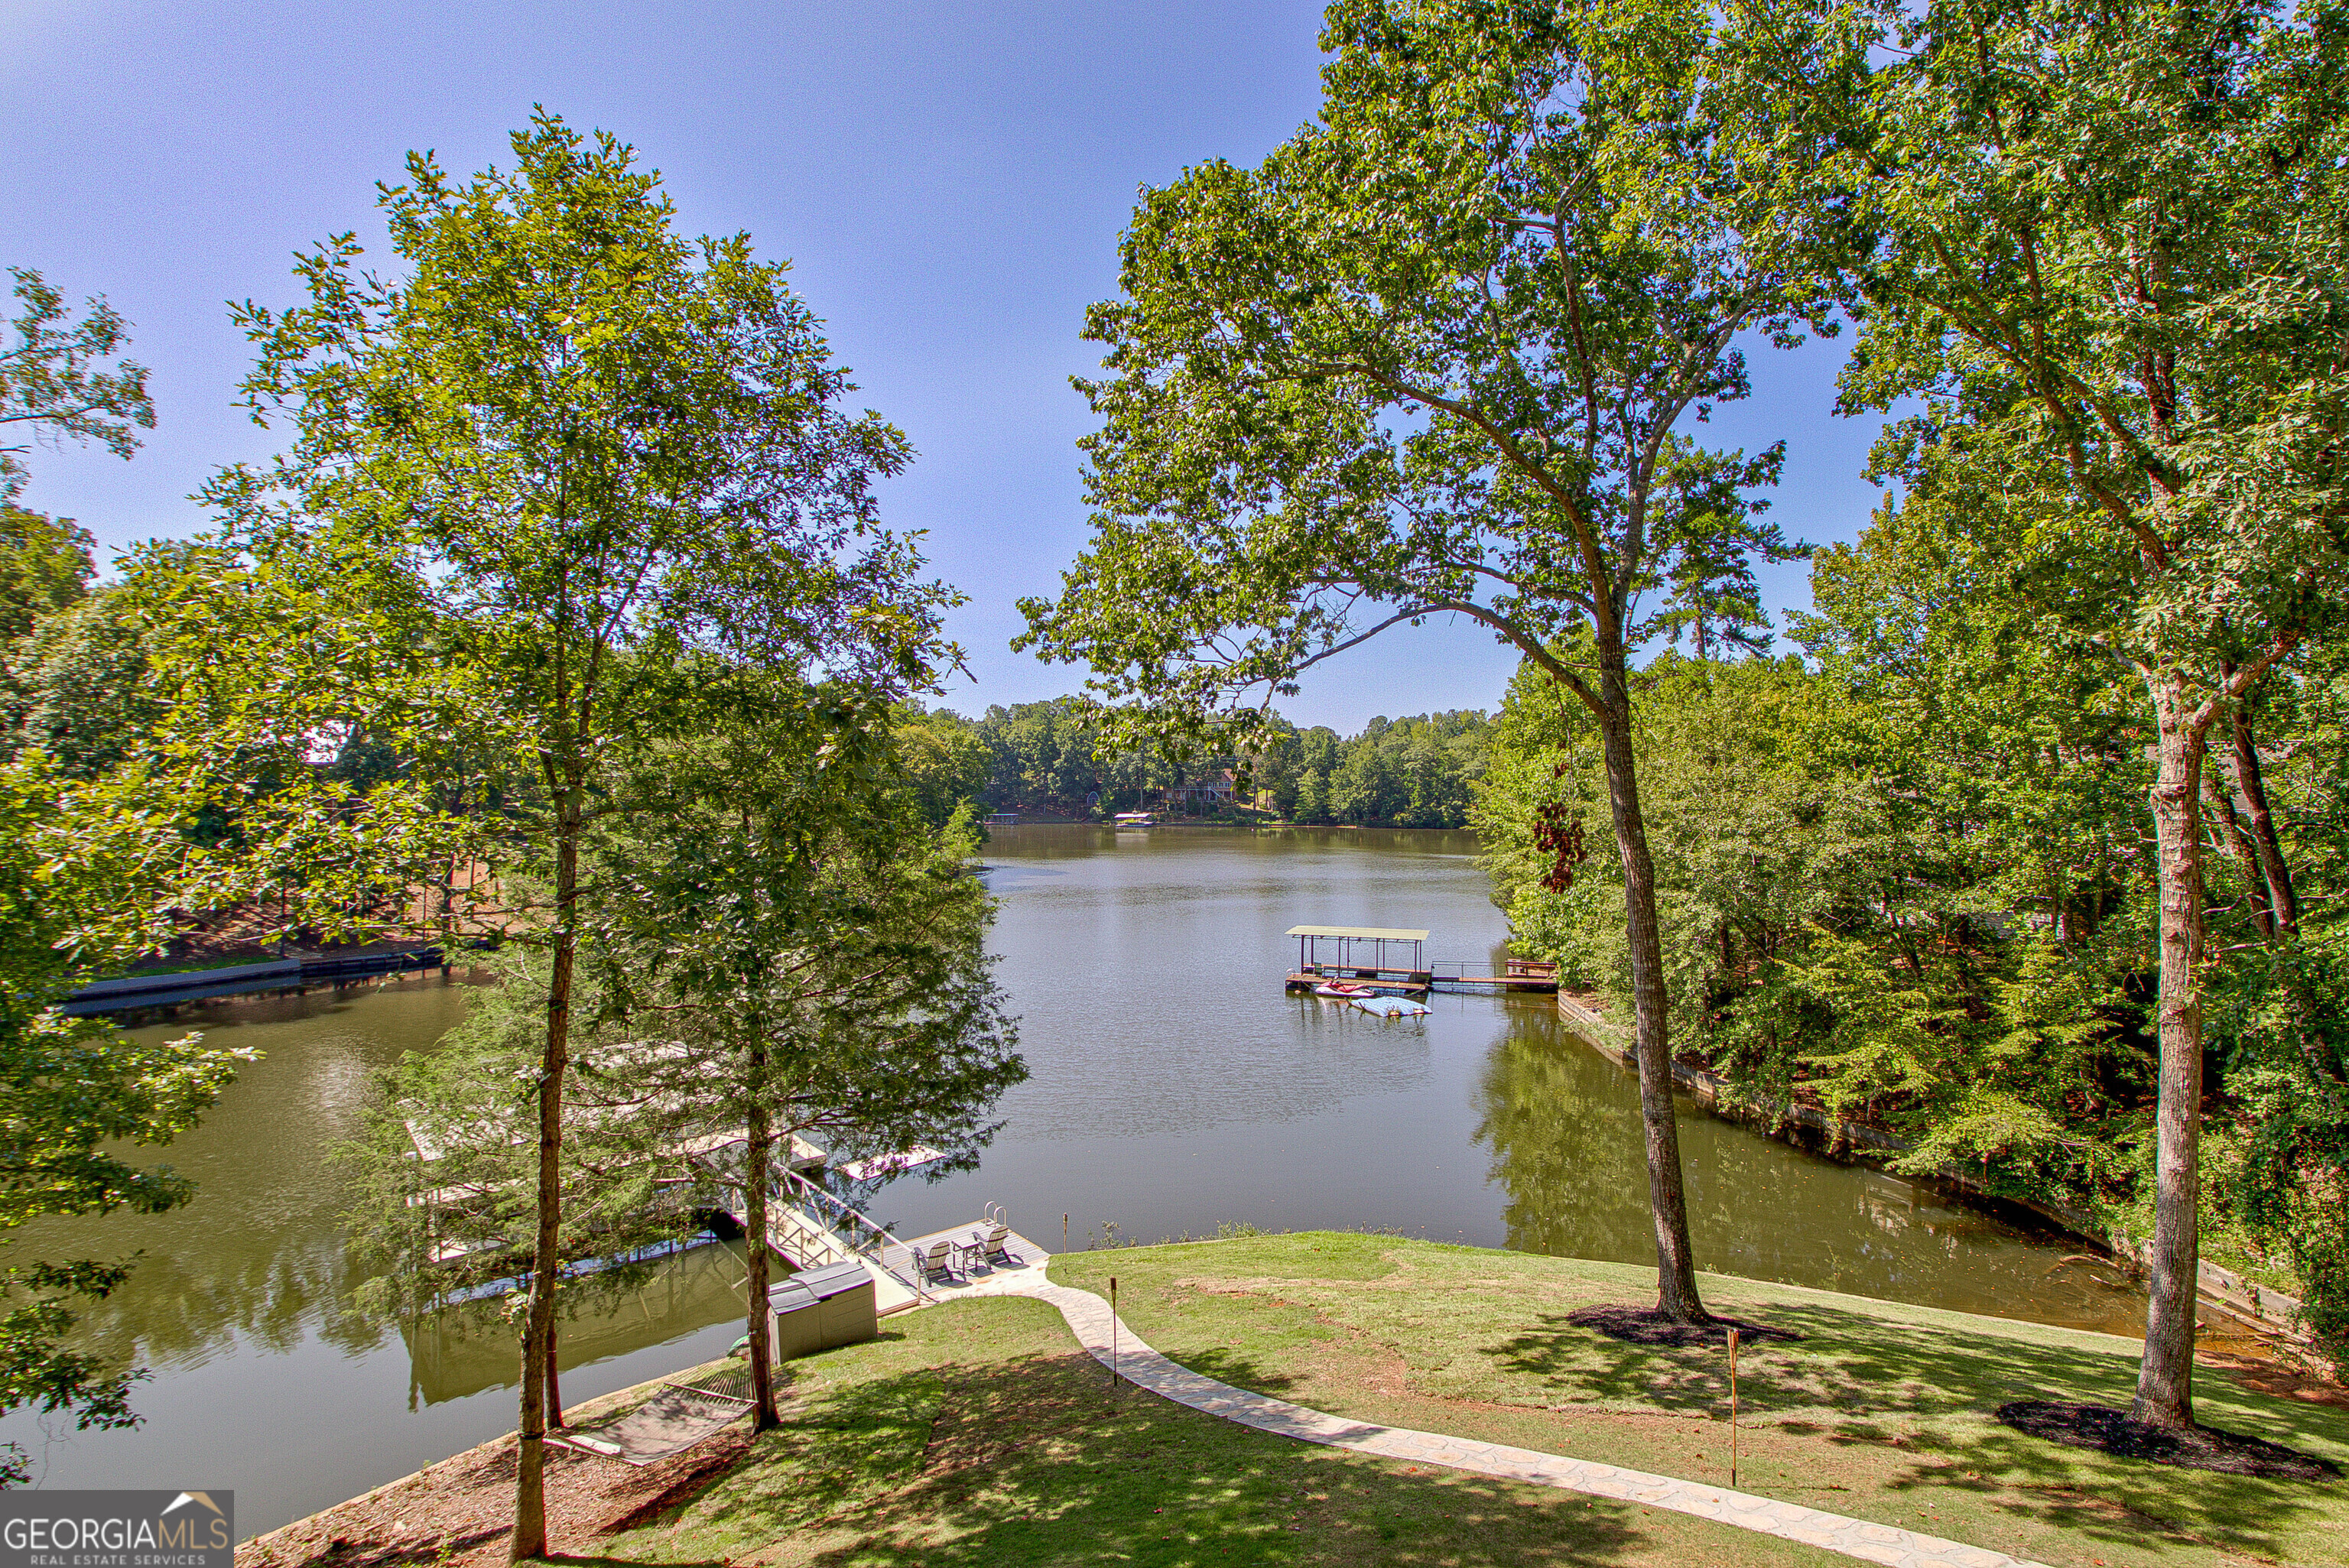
x=1174, y=1088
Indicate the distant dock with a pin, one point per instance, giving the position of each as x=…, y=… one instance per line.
x=1362, y=959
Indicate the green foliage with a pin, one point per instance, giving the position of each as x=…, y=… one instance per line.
x=83, y=680
x=85, y=873
x=45, y=573
x=45, y=566
x=1059, y=755
x=947, y=763
x=57, y=381
x=1413, y=772
x=1826, y=937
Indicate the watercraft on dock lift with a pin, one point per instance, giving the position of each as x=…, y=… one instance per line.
x=1388, y=1007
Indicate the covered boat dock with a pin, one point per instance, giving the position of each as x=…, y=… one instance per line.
x=1358, y=954
x=1371, y=958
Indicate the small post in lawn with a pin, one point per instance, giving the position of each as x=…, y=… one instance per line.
x=1112, y=1331
x=1733, y=1409
x=1065, y=1233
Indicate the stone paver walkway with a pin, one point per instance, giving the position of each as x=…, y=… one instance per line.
x=1090, y=1318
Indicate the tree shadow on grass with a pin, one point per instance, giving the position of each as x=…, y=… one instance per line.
x=1855, y=1379
x=2118, y=1500
x=1226, y=1365
x=1042, y=1459
x=1846, y=1365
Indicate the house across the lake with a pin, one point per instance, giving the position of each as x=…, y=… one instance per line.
x=1210, y=794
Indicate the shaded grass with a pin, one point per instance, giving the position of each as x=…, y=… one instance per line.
x=1881, y=1411
x=976, y=1433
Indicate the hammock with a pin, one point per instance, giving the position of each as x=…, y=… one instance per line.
x=673, y=1420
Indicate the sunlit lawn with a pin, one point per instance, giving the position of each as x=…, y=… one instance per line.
x=976, y=1433
x=1880, y=1411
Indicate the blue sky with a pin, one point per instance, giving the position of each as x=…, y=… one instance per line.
x=949, y=183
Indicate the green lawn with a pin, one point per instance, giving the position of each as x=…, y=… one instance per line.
x=1881, y=1411
x=977, y=1433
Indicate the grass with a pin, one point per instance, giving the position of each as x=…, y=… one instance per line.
x=1881, y=1411
x=976, y=1433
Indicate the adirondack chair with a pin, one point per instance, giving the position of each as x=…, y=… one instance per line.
x=938, y=1263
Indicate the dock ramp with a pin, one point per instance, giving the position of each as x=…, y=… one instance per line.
x=811, y=1229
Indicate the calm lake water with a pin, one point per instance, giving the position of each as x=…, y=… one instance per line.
x=1174, y=1088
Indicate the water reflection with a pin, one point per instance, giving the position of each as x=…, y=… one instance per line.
x=258, y=1257
x=1563, y=1125
x=463, y=1351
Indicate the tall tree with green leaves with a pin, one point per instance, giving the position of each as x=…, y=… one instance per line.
x=1440, y=354
x=44, y=567
x=546, y=486
x=2101, y=245
x=810, y=957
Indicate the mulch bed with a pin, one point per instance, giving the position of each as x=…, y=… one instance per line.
x=1646, y=1325
x=2114, y=1432
x=457, y=1513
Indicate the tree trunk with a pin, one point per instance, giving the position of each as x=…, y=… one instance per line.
x=554, y=1381
x=2254, y=794
x=529, y=1540
x=755, y=1163
x=1676, y=1294
x=2165, y=1384
x=2230, y=829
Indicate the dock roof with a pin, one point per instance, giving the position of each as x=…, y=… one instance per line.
x=1360, y=933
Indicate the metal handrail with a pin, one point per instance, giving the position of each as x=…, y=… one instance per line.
x=880, y=1256
x=1486, y=969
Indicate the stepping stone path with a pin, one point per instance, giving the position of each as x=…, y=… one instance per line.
x=1090, y=1318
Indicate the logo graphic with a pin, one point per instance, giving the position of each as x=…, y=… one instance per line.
x=118, y=1529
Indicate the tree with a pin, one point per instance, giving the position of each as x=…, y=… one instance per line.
x=1436, y=356
x=811, y=958
x=55, y=381
x=547, y=491
x=945, y=759
x=2099, y=242
x=83, y=871
x=44, y=567
x=82, y=689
